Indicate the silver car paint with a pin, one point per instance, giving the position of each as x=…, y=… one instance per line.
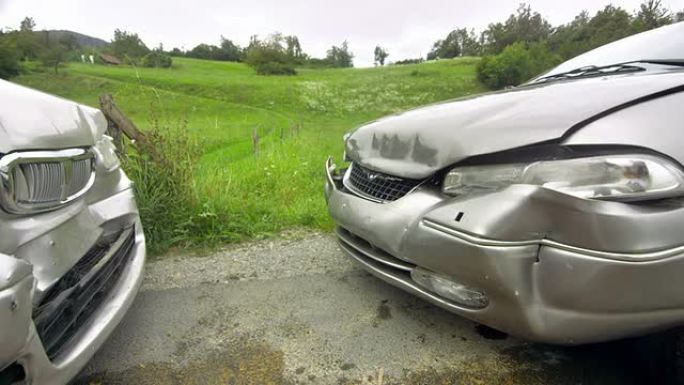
x=539, y=288
x=556, y=268
x=39, y=121
x=416, y=143
x=36, y=250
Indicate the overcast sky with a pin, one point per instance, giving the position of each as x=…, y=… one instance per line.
x=406, y=28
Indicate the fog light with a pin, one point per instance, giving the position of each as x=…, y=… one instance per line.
x=451, y=290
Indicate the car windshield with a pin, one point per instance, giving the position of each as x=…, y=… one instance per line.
x=662, y=45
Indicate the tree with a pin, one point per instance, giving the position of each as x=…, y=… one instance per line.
x=269, y=56
x=651, y=15
x=26, y=41
x=380, y=55
x=27, y=25
x=157, y=58
x=340, y=56
x=679, y=16
x=470, y=46
x=228, y=51
x=523, y=26
x=203, y=51
x=53, y=56
x=609, y=24
x=458, y=42
x=569, y=40
x=294, y=49
x=9, y=58
x=128, y=45
x=445, y=49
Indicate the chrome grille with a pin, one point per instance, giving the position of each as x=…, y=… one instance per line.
x=80, y=175
x=378, y=186
x=44, y=180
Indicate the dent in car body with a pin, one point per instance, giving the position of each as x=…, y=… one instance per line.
x=16, y=286
x=417, y=143
x=39, y=121
x=555, y=267
x=37, y=250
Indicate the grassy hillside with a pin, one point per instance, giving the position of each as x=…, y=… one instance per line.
x=300, y=120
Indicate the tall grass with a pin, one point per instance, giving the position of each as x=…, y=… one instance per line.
x=162, y=172
x=202, y=116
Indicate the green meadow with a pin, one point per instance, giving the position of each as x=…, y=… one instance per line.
x=243, y=192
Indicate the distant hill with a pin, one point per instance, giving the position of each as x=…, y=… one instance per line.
x=83, y=40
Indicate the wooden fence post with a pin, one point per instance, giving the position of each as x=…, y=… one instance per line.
x=118, y=122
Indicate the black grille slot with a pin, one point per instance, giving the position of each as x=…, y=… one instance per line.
x=377, y=185
x=69, y=303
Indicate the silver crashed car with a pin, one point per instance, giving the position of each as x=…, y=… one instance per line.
x=71, y=246
x=553, y=211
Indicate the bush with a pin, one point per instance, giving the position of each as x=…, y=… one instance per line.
x=516, y=64
x=270, y=57
x=409, y=61
x=274, y=68
x=156, y=58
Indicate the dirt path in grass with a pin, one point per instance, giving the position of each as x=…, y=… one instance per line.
x=296, y=311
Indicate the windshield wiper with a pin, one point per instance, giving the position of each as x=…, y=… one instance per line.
x=667, y=62
x=593, y=70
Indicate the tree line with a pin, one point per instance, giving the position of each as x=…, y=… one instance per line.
x=526, y=44
x=276, y=54
x=512, y=51
x=53, y=48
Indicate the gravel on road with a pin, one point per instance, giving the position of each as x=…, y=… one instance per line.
x=297, y=311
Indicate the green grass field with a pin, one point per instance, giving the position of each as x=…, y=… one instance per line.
x=300, y=121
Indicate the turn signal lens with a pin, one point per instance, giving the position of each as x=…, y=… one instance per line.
x=449, y=289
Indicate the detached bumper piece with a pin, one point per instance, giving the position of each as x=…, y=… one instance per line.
x=69, y=303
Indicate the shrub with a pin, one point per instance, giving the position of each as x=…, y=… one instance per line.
x=274, y=68
x=515, y=64
x=156, y=58
x=409, y=61
x=128, y=45
x=269, y=57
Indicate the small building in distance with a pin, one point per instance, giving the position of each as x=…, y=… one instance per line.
x=109, y=59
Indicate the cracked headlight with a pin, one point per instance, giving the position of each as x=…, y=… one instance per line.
x=611, y=177
x=106, y=153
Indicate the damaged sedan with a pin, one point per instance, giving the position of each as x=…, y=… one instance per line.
x=553, y=211
x=72, y=249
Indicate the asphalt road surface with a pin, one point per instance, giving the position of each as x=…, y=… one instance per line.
x=297, y=311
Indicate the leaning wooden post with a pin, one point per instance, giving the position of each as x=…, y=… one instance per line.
x=114, y=131
x=115, y=115
x=116, y=118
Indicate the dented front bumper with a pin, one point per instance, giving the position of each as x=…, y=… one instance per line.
x=553, y=268
x=37, y=251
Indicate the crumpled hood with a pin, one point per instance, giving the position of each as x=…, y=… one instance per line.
x=33, y=120
x=419, y=142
